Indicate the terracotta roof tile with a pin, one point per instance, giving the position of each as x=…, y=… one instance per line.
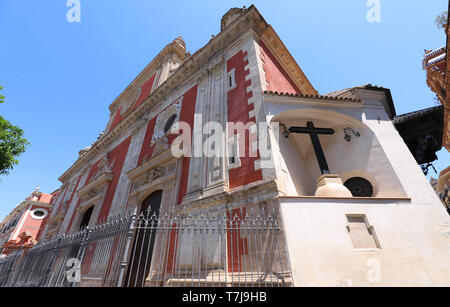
x=333, y=98
x=408, y=116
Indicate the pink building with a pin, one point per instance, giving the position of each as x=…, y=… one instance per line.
x=24, y=225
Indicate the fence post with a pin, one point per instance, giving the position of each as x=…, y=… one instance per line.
x=81, y=252
x=123, y=263
x=13, y=261
x=50, y=265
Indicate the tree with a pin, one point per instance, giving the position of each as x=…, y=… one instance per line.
x=12, y=143
x=2, y=98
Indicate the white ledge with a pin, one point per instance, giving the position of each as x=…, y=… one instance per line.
x=97, y=182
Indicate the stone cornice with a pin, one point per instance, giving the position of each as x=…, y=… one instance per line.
x=96, y=183
x=21, y=207
x=246, y=195
x=57, y=218
x=176, y=47
x=284, y=57
x=250, y=20
x=141, y=192
x=14, y=212
x=88, y=202
x=349, y=199
x=272, y=97
x=36, y=203
x=149, y=165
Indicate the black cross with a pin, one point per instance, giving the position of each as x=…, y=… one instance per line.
x=313, y=133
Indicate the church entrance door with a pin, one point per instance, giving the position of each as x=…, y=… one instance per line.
x=141, y=257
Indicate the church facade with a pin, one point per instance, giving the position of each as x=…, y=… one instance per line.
x=238, y=124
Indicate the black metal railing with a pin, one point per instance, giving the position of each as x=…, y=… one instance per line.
x=240, y=247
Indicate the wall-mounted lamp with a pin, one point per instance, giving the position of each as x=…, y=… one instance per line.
x=285, y=130
x=348, y=134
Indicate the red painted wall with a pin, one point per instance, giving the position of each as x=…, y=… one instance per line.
x=117, y=119
x=238, y=111
x=187, y=115
x=236, y=246
x=172, y=248
x=27, y=225
x=276, y=77
x=146, y=90
x=147, y=148
x=35, y=227
x=118, y=154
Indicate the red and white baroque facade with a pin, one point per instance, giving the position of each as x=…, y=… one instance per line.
x=224, y=82
x=246, y=75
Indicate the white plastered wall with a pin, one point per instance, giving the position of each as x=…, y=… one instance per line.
x=362, y=156
x=410, y=224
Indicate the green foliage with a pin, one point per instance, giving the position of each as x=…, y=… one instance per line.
x=12, y=143
x=2, y=98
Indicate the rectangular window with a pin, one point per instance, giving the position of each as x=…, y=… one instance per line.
x=362, y=234
x=231, y=81
x=233, y=152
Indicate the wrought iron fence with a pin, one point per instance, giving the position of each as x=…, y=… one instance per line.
x=241, y=247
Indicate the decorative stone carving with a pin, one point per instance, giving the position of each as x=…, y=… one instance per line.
x=104, y=167
x=92, y=193
x=129, y=100
x=141, y=181
x=155, y=173
x=163, y=117
x=146, y=158
x=161, y=145
x=216, y=61
x=95, y=190
x=171, y=166
x=230, y=16
x=89, y=194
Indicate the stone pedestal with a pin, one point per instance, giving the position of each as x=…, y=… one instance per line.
x=331, y=186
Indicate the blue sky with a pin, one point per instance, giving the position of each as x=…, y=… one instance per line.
x=60, y=77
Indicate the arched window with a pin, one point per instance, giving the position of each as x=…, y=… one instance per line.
x=169, y=123
x=86, y=217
